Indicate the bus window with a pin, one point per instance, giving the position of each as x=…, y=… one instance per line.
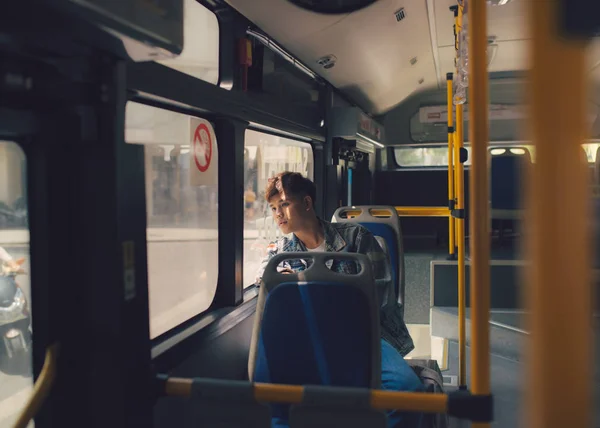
x=182, y=216
x=200, y=56
x=16, y=380
x=414, y=157
x=264, y=156
x=589, y=148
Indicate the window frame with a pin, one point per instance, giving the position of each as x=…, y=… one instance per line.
x=231, y=112
x=221, y=34
x=173, y=108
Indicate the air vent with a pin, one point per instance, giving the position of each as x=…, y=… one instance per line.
x=327, y=62
x=400, y=14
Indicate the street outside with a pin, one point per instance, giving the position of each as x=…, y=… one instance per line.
x=15, y=379
x=176, y=272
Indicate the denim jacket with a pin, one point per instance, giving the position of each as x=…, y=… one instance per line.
x=354, y=238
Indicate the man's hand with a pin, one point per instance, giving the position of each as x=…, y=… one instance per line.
x=286, y=271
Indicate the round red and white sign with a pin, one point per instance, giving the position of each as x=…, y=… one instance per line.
x=202, y=147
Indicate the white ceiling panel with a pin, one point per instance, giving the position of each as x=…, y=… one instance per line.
x=374, y=60
x=507, y=22
x=374, y=51
x=510, y=56
x=444, y=21
x=283, y=20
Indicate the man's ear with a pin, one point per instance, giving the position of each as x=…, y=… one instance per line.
x=308, y=203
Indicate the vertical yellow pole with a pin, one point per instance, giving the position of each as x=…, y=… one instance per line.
x=460, y=241
x=480, y=237
x=559, y=242
x=460, y=236
x=451, y=202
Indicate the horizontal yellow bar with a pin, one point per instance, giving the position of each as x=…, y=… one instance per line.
x=423, y=211
x=406, y=212
x=410, y=401
x=270, y=393
x=293, y=394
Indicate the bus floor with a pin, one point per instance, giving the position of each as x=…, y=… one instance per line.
x=508, y=384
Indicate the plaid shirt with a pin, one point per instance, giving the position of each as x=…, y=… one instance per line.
x=353, y=238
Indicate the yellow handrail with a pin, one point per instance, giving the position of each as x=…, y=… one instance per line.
x=41, y=389
x=451, y=220
x=459, y=182
x=423, y=211
x=293, y=394
x=480, y=238
x=406, y=212
x=559, y=286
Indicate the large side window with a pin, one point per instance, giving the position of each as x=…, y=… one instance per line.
x=200, y=56
x=15, y=303
x=181, y=204
x=264, y=156
x=413, y=157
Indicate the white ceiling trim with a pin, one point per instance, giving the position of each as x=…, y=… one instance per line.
x=433, y=36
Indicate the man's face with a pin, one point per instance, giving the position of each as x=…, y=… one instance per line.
x=289, y=213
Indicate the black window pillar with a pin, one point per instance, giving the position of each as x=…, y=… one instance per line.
x=230, y=140
x=88, y=245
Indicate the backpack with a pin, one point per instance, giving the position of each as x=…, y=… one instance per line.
x=431, y=376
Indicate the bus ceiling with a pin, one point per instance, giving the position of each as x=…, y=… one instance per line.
x=385, y=52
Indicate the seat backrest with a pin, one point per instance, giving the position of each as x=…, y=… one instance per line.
x=388, y=228
x=317, y=327
x=506, y=182
x=383, y=245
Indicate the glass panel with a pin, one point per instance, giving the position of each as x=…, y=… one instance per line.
x=430, y=132
x=200, y=56
x=15, y=318
x=181, y=205
x=424, y=156
x=264, y=156
x=590, y=150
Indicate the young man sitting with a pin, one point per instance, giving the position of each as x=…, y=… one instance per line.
x=291, y=200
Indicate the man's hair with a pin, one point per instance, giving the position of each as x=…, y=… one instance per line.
x=292, y=184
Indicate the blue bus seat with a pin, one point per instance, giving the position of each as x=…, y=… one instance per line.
x=388, y=228
x=506, y=184
x=316, y=327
